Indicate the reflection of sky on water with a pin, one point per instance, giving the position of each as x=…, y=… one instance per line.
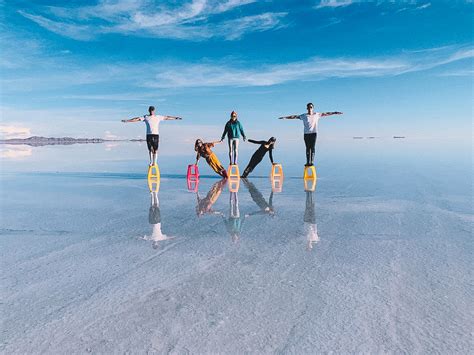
x=94, y=261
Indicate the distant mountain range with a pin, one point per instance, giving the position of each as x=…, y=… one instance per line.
x=37, y=141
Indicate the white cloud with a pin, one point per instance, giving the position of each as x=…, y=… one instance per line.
x=110, y=135
x=424, y=6
x=458, y=72
x=191, y=21
x=226, y=72
x=333, y=3
x=14, y=131
x=15, y=152
x=201, y=75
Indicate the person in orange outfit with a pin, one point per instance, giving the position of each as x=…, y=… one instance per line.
x=204, y=150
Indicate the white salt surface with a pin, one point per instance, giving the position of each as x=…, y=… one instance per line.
x=369, y=263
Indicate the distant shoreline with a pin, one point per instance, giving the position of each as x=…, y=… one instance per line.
x=37, y=141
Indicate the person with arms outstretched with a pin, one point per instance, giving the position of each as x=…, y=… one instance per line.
x=204, y=150
x=265, y=146
x=233, y=129
x=152, y=122
x=310, y=122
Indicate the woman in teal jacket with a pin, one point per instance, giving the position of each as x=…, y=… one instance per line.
x=233, y=129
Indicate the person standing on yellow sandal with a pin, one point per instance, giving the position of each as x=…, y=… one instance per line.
x=152, y=122
x=204, y=150
x=233, y=129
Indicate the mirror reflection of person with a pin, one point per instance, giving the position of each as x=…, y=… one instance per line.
x=154, y=218
x=235, y=220
x=204, y=205
x=266, y=208
x=310, y=227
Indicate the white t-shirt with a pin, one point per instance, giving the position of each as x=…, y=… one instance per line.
x=152, y=123
x=311, y=231
x=310, y=122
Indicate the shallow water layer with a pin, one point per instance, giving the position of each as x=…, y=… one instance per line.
x=377, y=259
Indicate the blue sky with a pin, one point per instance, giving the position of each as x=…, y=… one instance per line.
x=78, y=68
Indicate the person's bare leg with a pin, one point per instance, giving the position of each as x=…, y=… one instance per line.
x=151, y=159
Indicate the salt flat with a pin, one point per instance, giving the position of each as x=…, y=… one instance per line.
x=377, y=259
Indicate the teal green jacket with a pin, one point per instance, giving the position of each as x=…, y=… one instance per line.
x=233, y=130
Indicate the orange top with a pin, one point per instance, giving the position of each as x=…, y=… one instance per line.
x=205, y=149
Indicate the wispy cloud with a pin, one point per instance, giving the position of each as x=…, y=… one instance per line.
x=221, y=73
x=424, y=6
x=110, y=135
x=458, y=72
x=193, y=20
x=333, y=3
x=15, y=152
x=199, y=75
x=14, y=131
x=414, y=7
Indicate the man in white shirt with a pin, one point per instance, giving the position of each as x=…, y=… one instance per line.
x=152, y=122
x=310, y=123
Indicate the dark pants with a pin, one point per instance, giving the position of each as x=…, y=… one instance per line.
x=254, y=161
x=310, y=142
x=152, y=141
x=309, y=211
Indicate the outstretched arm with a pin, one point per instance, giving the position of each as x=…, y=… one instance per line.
x=168, y=118
x=270, y=155
x=331, y=113
x=292, y=117
x=256, y=142
x=134, y=119
x=225, y=132
x=197, y=157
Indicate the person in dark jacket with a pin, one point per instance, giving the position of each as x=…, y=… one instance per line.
x=265, y=146
x=233, y=129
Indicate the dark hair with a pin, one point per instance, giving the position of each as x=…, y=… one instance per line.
x=309, y=103
x=151, y=109
x=272, y=139
x=196, y=143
